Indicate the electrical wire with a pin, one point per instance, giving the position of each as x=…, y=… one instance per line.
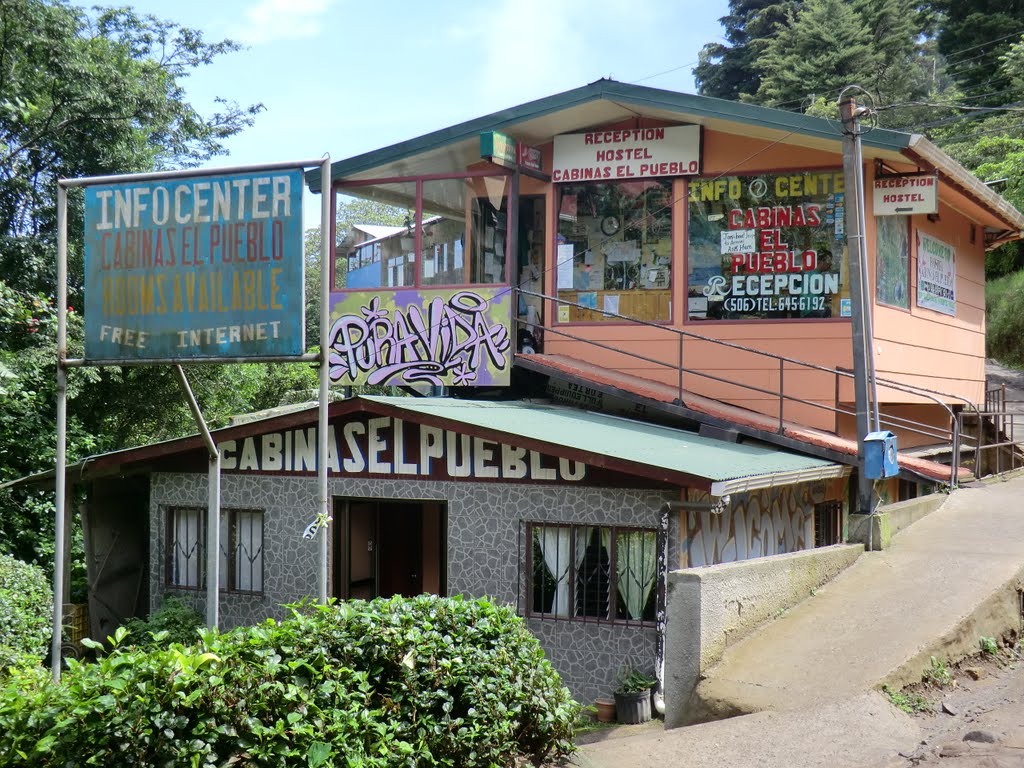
x=666, y=72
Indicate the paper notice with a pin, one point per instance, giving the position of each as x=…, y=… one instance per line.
x=565, y=258
x=738, y=241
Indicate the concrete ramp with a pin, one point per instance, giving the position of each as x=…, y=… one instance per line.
x=947, y=580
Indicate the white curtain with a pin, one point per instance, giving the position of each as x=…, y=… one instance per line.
x=249, y=551
x=187, y=552
x=636, y=566
x=554, y=546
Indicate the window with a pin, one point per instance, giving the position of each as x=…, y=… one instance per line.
x=828, y=523
x=241, y=549
x=767, y=247
x=614, y=250
x=592, y=572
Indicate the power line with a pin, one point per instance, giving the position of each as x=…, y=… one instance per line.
x=1003, y=108
x=986, y=42
x=666, y=72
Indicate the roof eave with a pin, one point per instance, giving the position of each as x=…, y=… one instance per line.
x=688, y=106
x=924, y=152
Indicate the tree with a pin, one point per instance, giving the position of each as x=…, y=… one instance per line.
x=82, y=94
x=974, y=34
x=729, y=71
x=826, y=46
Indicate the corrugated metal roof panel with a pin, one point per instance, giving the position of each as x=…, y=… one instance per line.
x=615, y=437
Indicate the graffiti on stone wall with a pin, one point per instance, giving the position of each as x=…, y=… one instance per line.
x=766, y=522
x=453, y=338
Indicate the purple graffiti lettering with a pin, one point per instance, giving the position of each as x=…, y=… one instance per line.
x=452, y=338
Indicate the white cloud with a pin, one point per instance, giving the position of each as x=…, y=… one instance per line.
x=271, y=20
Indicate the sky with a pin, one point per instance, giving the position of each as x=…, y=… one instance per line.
x=349, y=76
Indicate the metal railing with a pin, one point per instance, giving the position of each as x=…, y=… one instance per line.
x=953, y=435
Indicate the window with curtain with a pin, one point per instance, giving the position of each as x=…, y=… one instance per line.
x=585, y=572
x=241, y=549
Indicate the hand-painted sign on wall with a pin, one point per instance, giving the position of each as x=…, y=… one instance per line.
x=390, y=447
x=453, y=337
x=936, y=275
x=767, y=247
x=629, y=153
x=199, y=267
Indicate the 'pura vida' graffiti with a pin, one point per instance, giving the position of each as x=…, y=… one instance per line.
x=455, y=338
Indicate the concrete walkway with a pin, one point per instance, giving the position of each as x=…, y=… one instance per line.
x=946, y=581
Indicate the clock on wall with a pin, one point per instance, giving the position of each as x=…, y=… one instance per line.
x=610, y=225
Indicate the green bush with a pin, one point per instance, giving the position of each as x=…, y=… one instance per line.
x=26, y=612
x=1004, y=318
x=175, y=621
x=418, y=682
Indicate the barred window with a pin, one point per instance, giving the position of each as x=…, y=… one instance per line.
x=592, y=572
x=241, y=549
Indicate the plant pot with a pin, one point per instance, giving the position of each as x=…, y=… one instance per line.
x=605, y=710
x=633, y=707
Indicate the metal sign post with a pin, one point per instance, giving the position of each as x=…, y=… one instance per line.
x=326, y=241
x=62, y=430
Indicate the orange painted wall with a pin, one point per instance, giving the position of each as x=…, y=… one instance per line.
x=928, y=348
x=918, y=346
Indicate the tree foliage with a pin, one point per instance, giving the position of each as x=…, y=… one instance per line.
x=824, y=47
x=730, y=71
x=26, y=605
x=86, y=93
x=973, y=36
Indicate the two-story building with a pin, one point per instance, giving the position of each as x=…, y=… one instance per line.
x=639, y=303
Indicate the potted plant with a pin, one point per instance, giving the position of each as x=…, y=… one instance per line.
x=633, y=696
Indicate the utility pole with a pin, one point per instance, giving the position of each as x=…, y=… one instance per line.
x=856, y=247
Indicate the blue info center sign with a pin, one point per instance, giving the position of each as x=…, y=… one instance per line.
x=195, y=268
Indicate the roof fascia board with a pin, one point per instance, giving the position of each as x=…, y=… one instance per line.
x=922, y=151
x=234, y=432
x=454, y=134
x=749, y=114
x=791, y=477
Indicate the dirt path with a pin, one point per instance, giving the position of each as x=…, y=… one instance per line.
x=976, y=723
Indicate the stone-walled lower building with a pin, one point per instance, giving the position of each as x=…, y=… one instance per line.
x=571, y=516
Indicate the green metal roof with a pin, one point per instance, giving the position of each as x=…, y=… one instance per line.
x=728, y=467
x=638, y=99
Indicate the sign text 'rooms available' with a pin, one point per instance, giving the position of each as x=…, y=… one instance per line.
x=203, y=267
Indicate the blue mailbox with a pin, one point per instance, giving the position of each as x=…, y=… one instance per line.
x=880, y=455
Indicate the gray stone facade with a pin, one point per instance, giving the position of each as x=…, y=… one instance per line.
x=485, y=552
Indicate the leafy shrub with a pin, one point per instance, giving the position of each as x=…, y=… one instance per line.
x=419, y=682
x=26, y=612
x=1004, y=318
x=175, y=621
x=937, y=674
